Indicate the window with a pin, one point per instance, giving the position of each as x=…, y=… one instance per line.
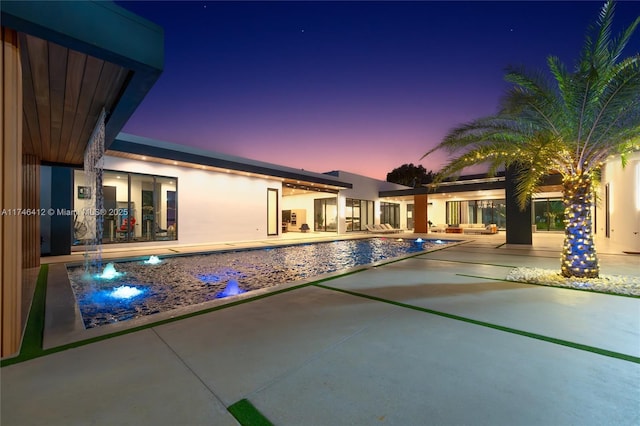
x=325, y=213
x=477, y=211
x=137, y=207
x=390, y=213
x=358, y=214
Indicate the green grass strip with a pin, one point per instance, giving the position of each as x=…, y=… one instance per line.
x=248, y=415
x=579, y=346
x=35, y=353
x=35, y=348
x=34, y=330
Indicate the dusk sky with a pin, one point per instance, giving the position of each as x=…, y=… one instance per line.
x=358, y=86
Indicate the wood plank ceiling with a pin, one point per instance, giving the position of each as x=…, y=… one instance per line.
x=64, y=92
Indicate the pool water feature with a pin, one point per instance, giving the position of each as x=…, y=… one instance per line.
x=232, y=289
x=153, y=260
x=109, y=272
x=143, y=288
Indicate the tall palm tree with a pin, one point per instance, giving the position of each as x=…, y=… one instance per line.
x=569, y=125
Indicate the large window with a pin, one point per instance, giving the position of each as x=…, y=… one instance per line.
x=359, y=214
x=325, y=213
x=477, y=211
x=390, y=213
x=137, y=207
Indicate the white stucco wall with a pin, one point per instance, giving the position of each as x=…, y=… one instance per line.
x=366, y=188
x=437, y=210
x=212, y=206
x=624, y=208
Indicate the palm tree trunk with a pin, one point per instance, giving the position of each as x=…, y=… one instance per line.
x=579, y=257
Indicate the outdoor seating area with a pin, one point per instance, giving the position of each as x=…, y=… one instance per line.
x=465, y=228
x=482, y=229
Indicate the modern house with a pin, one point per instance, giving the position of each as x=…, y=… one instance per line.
x=65, y=63
x=164, y=192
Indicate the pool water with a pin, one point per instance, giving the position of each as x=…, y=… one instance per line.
x=141, y=288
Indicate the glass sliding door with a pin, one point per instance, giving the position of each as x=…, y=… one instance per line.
x=390, y=213
x=358, y=214
x=325, y=213
x=165, y=226
x=352, y=214
x=355, y=218
x=410, y=218
x=492, y=212
x=370, y=214
x=477, y=211
x=156, y=217
x=548, y=214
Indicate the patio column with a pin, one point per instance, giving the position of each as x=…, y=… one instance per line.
x=518, y=221
x=420, y=213
x=10, y=192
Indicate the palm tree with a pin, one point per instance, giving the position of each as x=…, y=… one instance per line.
x=568, y=125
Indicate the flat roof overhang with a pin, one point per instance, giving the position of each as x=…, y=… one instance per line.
x=472, y=183
x=79, y=58
x=146, y=149
x=448, y=187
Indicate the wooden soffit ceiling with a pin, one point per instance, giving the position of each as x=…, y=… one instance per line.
x=64, y=92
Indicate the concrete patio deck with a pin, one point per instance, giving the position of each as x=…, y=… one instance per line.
x=437, y=339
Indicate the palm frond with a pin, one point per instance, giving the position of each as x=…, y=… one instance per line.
x=563, y=80
x=600, y=53
x=619, y=43
x=570, y=125
x=534, y=99
x=619, y=100
x=485, y=130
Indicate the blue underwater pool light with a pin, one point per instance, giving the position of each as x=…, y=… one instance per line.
x=232, y=289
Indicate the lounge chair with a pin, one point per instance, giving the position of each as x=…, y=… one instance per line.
x=391, y=228
x=382, y=229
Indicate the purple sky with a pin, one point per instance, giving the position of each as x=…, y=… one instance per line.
x=357, y=86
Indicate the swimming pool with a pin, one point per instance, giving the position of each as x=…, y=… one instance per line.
x=132, y=289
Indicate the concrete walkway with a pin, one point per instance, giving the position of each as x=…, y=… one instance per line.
x=432, y=340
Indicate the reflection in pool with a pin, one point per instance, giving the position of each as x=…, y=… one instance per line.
x=139, y=288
